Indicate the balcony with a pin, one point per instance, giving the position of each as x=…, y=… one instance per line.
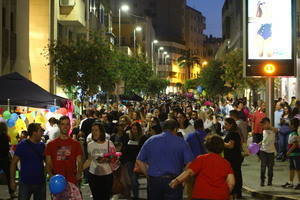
x=72, y=12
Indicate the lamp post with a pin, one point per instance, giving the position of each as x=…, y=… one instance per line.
x=152, y=52
x=165, y=53
x=158, y=53
x=166, y=57
x=123, y=8
x=136, y=29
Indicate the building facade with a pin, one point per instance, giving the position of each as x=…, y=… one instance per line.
x=194, y=27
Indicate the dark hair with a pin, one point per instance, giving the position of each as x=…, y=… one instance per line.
x=170, y=125
x=264, y=120
x=102, y=131
x=53, y=120
x=62, y=118
x=33, y=127
x=89, y=113
x=214, y=144
x=139, y=132
x=157, y=129
x=294, y=124
x=234, y=114
x=232, y=123
x=198, y=124
x=3, y=128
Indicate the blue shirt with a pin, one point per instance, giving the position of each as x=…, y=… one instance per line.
x=32, y=162
x=196, y=142
x=166, y=154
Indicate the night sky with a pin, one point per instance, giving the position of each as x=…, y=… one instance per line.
x=212, y=10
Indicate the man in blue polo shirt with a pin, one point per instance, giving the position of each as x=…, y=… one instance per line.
x=196, y=139
x=162, y=158
x=30, y=152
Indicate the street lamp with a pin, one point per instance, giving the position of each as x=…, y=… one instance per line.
x=123, y=8
x=166, y=57
x=152, y=52
x=158, y=53
x=137, y=29
x=165, y=53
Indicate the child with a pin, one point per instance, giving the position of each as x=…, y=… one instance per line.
x=267, y=151
x=294, y=154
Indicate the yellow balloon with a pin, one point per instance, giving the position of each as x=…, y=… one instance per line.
x=20, y=125
x=13, y=141
x=12, y=132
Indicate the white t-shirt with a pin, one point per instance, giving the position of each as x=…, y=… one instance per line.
x=95, y=150
x=268, y=143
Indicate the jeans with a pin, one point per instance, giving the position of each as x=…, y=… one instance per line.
x=267, y=160
x=283, y=144
x=133, y=179
x=101, y=186
x=159, y=189
x=27, y=190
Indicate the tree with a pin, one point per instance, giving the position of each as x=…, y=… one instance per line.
x=191, y=83
x=135, y=71
x=155, y=86
x=188, y=61
x=210, y=79
x=84, y=65
x=233, y=73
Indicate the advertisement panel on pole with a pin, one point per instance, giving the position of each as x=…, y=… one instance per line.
x=269, y=37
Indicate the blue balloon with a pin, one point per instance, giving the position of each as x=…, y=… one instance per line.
x=57, y=184
x=14, y=116
x=23, y=117
x=199, y=89
x=52, y=109
x=11, y=123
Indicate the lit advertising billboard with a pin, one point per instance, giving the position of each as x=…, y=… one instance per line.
x=269, y=35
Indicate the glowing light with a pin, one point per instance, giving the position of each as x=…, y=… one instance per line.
x=269, y=68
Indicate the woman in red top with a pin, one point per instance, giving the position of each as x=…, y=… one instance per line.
x=214, y=176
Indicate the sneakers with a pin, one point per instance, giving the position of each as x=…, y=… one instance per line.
x=297, y=187
x=287, y=185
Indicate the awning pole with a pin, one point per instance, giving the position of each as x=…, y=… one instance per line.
x=8, y=105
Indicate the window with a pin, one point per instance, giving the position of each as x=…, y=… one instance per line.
x=3, y=17
x=12, y=22
x=101, y=16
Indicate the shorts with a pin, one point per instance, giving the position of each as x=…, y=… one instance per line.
x=294, y=163
x=265, y=31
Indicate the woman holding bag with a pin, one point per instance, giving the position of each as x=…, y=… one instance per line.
x=100, y=165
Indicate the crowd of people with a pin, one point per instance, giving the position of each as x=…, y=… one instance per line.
x=171, y=140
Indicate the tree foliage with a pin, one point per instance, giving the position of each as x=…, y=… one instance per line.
x=233, y=73
x=210, y=79
x=155, y=86
x=85, y=66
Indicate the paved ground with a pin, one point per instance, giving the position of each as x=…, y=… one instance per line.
x=251, y=175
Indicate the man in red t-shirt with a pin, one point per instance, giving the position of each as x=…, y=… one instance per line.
x=64, y=155
x=214, y=175
x=256, y=125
